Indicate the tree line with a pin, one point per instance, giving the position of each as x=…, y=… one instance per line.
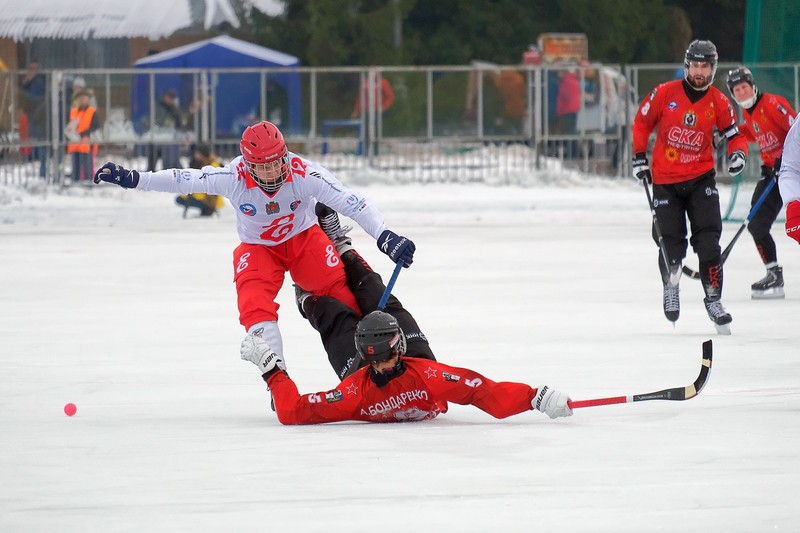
x=454, y=32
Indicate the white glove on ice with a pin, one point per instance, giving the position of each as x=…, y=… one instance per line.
x=551, y=402
x=257, y=351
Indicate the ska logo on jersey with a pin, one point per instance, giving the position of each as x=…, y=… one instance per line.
x=710, y=113
x=272, y=208
x=690, y=119
x=248, y=209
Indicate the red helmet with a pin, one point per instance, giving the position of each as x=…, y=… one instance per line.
x=266, y=156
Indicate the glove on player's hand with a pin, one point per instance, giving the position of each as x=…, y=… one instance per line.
x=113, y=173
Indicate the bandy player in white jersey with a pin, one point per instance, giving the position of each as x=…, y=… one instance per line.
x=274, y=193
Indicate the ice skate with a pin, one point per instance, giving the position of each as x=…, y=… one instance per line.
x=721, y=318
x=672, y=302
x=329, y=222
x=672, y=293
x=771, y=286
x=300, y=297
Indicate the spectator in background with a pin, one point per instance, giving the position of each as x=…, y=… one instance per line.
x=170, y=120
x=33, y=121
x=383, y=96
x=82, y=122
x=206, y=203
x=567, y=107
x=79, y=85
x=511, y=87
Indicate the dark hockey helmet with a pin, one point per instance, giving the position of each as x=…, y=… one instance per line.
x=379, y=337
x=742, y=75
x=701, y=51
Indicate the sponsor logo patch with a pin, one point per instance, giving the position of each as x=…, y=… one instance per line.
x=248, y=209
x=333, y=396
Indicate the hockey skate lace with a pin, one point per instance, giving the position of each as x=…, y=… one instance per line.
x=715, y=309
x=672, y=300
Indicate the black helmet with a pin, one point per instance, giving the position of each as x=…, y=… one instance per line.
x=379, y=337
x=742, y=75
x=702, y=51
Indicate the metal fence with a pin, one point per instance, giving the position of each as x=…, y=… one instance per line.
x=469, y=123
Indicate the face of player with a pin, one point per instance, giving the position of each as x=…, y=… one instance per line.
x=385, y=366
x=267, y=173
x=700, y=73
x=743, y=92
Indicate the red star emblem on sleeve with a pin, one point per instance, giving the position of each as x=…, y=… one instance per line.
x=352, y=389
x=430, y=373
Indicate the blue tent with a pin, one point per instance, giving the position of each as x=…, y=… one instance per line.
x=238, y=95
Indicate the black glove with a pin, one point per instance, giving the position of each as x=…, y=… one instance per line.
x=396, y=247
x=641, y=169
x=736, y=162
x=776, y=169
x=769, y=173
x=113, y=173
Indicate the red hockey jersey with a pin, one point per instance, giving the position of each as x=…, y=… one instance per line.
x=683, y=148
x=768, y=125
x=420, y=393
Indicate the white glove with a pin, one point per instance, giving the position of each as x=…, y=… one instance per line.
x=641, y=169
x=736, y=162
x=551, y=402
x=257, y=351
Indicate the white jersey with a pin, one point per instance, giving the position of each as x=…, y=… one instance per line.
x=789, y=180
x=265, y=219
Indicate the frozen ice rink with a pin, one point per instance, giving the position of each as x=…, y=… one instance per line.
x=109, y=299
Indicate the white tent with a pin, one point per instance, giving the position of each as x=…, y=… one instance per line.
x=106, y=19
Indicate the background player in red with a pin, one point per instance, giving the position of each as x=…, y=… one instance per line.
x=274, y=193
x=394, y=388
x=686, y=112
x=767, y=119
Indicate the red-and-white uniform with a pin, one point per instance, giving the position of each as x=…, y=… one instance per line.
x=279, y=232
x=789, y=181
x=767, y=124
x=683, y=149
x=419, y=393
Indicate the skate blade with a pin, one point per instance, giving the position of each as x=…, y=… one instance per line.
x=775, y=293
x=723, y=329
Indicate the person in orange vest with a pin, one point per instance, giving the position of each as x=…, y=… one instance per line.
x=82, y=122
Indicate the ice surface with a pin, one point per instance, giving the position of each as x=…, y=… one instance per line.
x=110, y=300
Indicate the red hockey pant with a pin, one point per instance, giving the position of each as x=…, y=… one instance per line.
x=311, y=260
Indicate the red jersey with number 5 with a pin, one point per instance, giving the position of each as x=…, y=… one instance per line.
x=419, y=393
x=767, y=124
x=684, y=140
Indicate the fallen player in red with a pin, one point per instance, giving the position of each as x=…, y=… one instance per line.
x=395, y=388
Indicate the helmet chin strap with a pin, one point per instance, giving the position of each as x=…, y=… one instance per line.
x=750, y=102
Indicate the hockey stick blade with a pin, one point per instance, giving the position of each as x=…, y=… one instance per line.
x=676, y=394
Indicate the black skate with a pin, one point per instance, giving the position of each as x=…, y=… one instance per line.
x=300, y=297
x=771, y=286
x=672, y=302
x=329, y=222
x=721, y=318
x=672, y=292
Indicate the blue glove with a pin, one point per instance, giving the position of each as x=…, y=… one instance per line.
x=113, y=173
x=396, y=247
